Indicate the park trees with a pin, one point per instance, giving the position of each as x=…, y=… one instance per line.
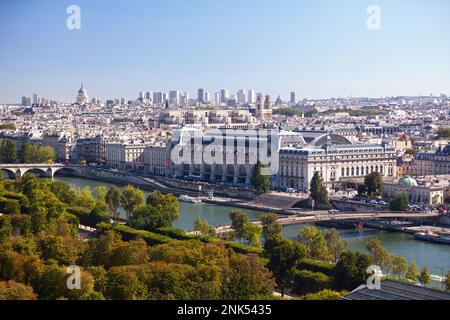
x=32, y=153
x=372, y=183
x=350, y=271
x=132, y=198
x=11, y=290
x=244, y=229
x=113, y=200
x=315, y=243
x=335, y=243
x=399, y=266
x=413, y=272
x=284, y=256
x=246, y=278
x=424, y=277
x=8, y=153
x=399, y=203
x=260, y=182
x=447, y=281
x=204, y=228
x=318, y=192
x=167, y=204
x=270, y=225
x=378, y=254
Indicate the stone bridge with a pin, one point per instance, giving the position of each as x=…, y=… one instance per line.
x=16, y=171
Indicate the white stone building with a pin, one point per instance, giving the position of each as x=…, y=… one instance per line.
x=336, y=159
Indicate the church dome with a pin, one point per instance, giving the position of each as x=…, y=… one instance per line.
x=408, y=182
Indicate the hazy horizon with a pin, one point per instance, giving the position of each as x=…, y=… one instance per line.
x=315, y=48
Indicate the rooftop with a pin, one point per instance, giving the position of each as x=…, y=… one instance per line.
x=395, y=290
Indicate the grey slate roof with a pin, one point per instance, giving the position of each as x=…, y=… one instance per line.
x=394, y=290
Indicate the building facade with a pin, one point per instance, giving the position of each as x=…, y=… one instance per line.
x=337, y=161
x=125, y=157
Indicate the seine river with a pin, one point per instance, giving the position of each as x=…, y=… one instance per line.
x=435, y=256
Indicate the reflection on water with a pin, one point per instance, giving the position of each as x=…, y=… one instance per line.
x=436, y=256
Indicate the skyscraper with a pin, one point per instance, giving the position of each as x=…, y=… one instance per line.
x=251, y=96
x=201, y=96
x=35, y=99
x=241, y=97
x=174, y=98
x=224, y=95
x=293, y=101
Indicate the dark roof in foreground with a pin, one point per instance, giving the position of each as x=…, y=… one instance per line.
x=395, y=290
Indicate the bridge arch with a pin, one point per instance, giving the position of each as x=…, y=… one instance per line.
x=42, y=172
x=68, y=170
x=10, y=173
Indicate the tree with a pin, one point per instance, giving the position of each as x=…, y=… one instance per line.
x=399, y=203
x=284, y=256
x=314, y=241
x=413, y=272
x=101, y=192
x=84, y=198
x=113, y=200
x=252, y=233
x=8, y=153
x=246, y=278
x=335, y=243
x=132, y=198
x=12, y=290
x=378, y=254
x=271, y=227
x=121, y=284
x=167, y=204
x=147, y=217
x=32, y=153
x=399, y=266
x=372, y=183
x=351, y=270
x=260, y=182
x=424, y=277
x=238, y=220
x=204, y=228
x=318, y=192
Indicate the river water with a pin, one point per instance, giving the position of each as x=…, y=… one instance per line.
x=435, y=256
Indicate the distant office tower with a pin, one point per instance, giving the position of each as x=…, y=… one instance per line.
x=164, y=97
x=207, y=97
x=224, y=95
x=174, y=98
x=142, y=95
x=251, y=96
x=241, y=97
x=35, y=99
x=24, y=101
x=201, y=96
x=158, y=98
x=148, y=96
x=217, y=98
x=184, y=98
x=293, y=97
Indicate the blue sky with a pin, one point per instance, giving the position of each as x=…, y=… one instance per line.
x=319, y=48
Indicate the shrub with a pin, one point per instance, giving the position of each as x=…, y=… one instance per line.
x=306, y=282
x=317, y=266
x=323, y=295
x=9, y=206
x=243, y=249
x=129, y=234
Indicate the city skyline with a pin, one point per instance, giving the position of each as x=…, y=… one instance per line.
x=317, y=50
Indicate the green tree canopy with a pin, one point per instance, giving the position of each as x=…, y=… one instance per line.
x=318, y=191
x=399, y=203
x=372, y=183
